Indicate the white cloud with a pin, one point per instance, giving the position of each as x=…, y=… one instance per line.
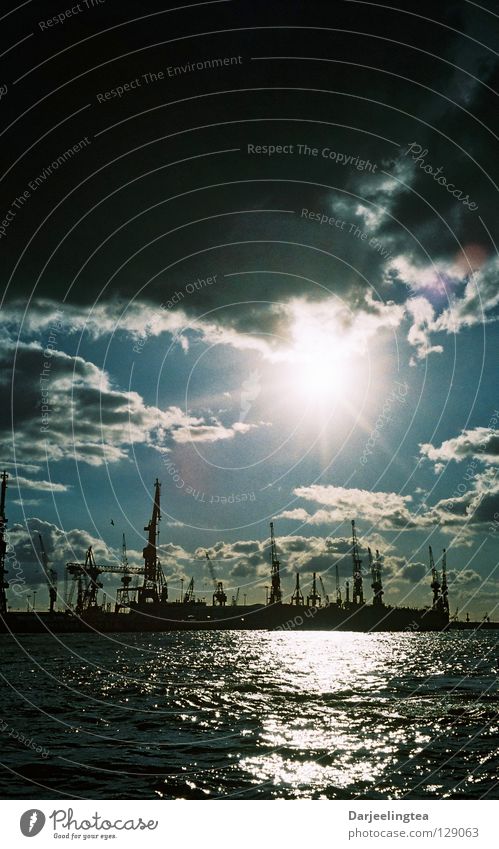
x=423, y=324
x=387, y=510
x=196, y=431
x=480, y=443
x=88, y=419
x=40, y=486
x=480, y=298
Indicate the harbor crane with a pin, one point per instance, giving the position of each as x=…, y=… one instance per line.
x=377, y=584
x=323, y=590
x=4, y=584
x=154, y=589
x=275, y=576
x=338, y=588
x=50, y=576
x=86, y=579
x=219, y=596
x=86, y=576
x=125, y=594
x=297, y=597
x=445, y=588
x=314, y=599
x=357, y=590
x=189, y=597
x=435, y=583
x=235, y=598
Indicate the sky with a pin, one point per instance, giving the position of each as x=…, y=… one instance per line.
x=250, y=249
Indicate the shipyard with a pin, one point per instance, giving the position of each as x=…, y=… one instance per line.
x=142, y=600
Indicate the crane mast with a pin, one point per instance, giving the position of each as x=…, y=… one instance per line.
x=275, y=577
x=314, y=599
x=377, y=584
x=3, y=547
x=93, y=584
x=189, y=597
x=219, y=596
x=357, y=590
x=445, y=588
x=124, y=594
x=338, y=589
x=154, y=588
x=297, y=597
x=435, y=583
x=85, y=577
x=323, y=590
x=50, y=576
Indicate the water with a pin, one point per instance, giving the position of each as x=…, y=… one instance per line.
x=250, y=715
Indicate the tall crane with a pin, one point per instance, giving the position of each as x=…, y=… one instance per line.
x=154, y=588
x=338, y=589
x=219, y=597
x=235, y=598
x=357, y=590
x=189, y=597
x=50, y=576
x=297, y=597
x=4, y=585
x=323, y=590
x=377, y=584
x=124, y=594
x=275, y=576
x=445, y=588
x=86, y=578
x=435, y=583
x=314, y=599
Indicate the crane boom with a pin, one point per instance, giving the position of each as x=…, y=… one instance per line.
x=435, y=583
x=377, y=583
x=445, y=588
x=338, y=589
x=50, y=576
x=212, y=571
x=323, y=590
x=314, y=599
x=154, y=588
x=219, y=596
x=189, y=595
x=297, y=597
x=86, y=578
x=357, y=590
x=125, y=593
x=275, y=576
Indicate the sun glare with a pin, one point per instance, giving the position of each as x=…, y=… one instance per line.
x=321, y=362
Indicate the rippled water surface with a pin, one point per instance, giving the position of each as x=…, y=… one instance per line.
x=250, y=715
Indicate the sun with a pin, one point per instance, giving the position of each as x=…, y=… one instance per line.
x=319, y=380
x=320, y=361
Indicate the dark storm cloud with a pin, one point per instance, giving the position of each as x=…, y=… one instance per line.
x=64, y=406
x=243, y=569
x=413, y=572
x=387, y=85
